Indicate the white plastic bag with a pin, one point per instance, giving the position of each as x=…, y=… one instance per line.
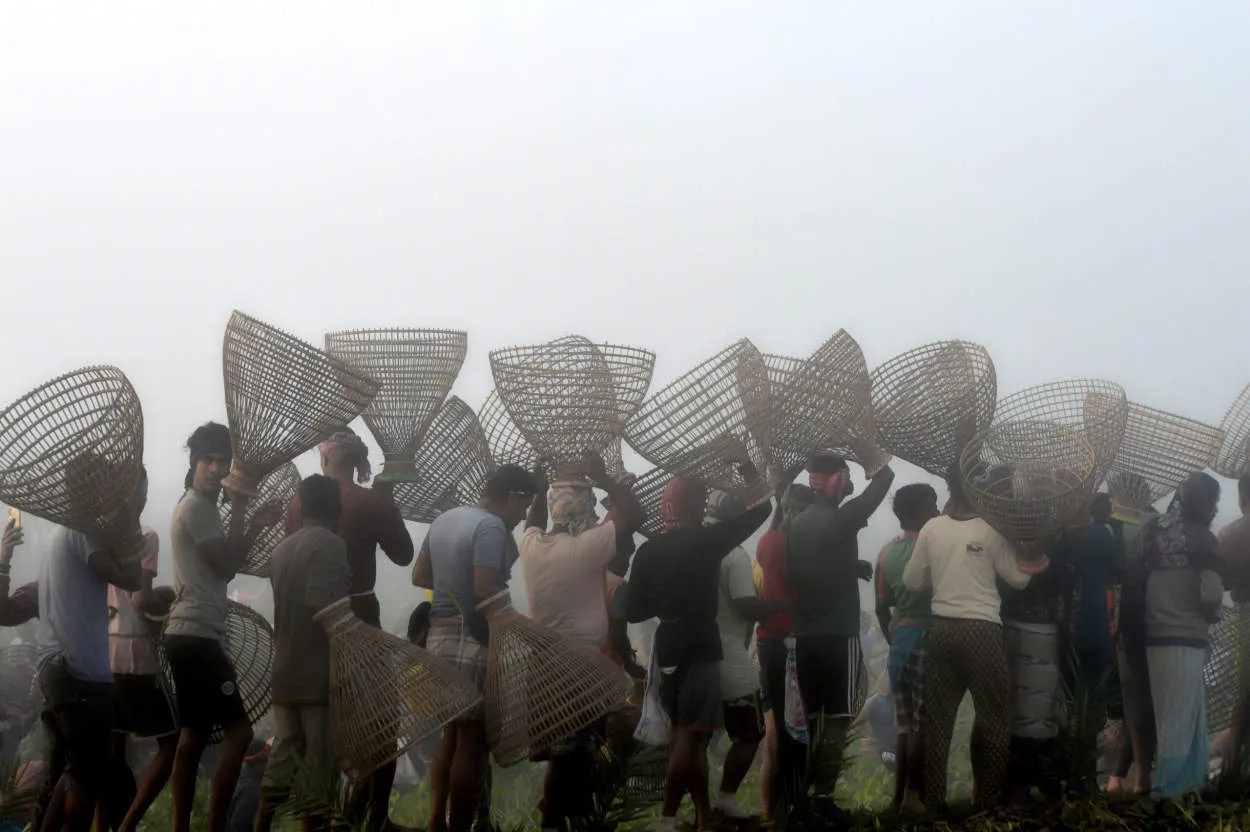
x=654, y=726
x=796, y=718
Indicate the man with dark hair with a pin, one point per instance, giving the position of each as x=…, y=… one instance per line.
x=467, y=558
x=676, y=578
x=822, y=557
x=206, y=558
x=309, y=572
x=370, y=520
x=74, y=671
x=1234, y=541
x=914, y=505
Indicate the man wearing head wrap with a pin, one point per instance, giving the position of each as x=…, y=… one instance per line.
x=565, y=579
x=370, y=519
x=206, y=557
x=676, y=578
x=822, y=558
x=738, y=609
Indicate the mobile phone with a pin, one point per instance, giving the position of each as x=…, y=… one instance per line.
x=15, y=517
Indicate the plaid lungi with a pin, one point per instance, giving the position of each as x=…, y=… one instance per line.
x=909, y=694
x=450, y=641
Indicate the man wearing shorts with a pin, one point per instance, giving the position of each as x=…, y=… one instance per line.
x=206, y=557
x=822, y=557
x=467, y=558
x=676, y=578
x=309, y=571
x=73, y=661
x=143, y=706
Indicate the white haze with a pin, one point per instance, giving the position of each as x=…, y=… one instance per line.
x=1066, y=183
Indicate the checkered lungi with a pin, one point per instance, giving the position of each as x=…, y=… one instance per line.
x=450, y=641
x=909, y=692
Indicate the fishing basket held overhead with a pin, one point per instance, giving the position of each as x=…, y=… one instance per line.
x=1098, y=409
x=452, y=465
x=1233, y=459
x=819, y=402
x=71, y=451
x=1028, y=478
x=279, y=486
x=541, y=687
x=649, y=490
x=249, y=646
x=283, y=396
x=386, y=694
x=1224, y=667
x=565, y=398
x=699, y=422
x=416, y=369
x=508, y=446
x=930, y=401
x=1158, y=452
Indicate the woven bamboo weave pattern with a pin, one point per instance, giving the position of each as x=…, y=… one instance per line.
x=249, y=646
x=631, y=369
x=541, y=687
x=1027, y=478
x=562, y=395
x=649, y=489
x=279, y=486
x=1097, y=408
x=386, y=694
x=1158, y=451
x=1220, y=673
x=930, y=401
x=687, y=426
x=71, y=451
x=451, y=465
x=283, y=396
x=416, y=369
x=508, y=446
x=1233, y=460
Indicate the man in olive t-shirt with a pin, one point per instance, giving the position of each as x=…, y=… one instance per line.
x=309, y=572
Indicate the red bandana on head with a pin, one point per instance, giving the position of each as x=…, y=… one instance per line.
x=682, y=501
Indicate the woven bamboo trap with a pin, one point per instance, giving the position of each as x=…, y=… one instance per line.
x=452, y=465
x=386, y=694
x=1098, y=409
x=540, y=686
x=1028, y=478
x=930, y=401
x=283, y=396
x=1233, y=459
x=688, y=427
x=819, y=401
x=1158, y=451
x=649, y=489
x=279, y=486
x=564, y=396
x=1224, y=667
x=416, y=369
x=71, y=451
x=508, y=446
x=249, y=646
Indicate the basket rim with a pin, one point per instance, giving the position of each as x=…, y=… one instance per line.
x=366, y=381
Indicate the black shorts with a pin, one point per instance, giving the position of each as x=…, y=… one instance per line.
x=690, y=694
x=143, y=706
x=829, y=669
x=772, y=655
x=744, y=721
x=79, y=719
x=206, y=689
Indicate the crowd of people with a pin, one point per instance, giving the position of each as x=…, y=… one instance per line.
x=1120, y=600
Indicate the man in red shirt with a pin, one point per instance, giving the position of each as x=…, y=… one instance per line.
x=370, y=519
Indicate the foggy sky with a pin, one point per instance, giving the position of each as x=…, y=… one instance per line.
x=1067, y=184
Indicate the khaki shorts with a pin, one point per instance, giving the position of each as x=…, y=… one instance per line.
x=302, y=747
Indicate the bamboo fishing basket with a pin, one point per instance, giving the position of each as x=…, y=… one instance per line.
x=451, y=464
x=541, y=687
x=283, y=396
x=649, y=489
x=1225, y=669
x=386, y=693
x=71, y=451
x=415, y=369
x=1233, y=459
x=929, y=402
x=279, y=486
x=1158, y=452
x=508, y=446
